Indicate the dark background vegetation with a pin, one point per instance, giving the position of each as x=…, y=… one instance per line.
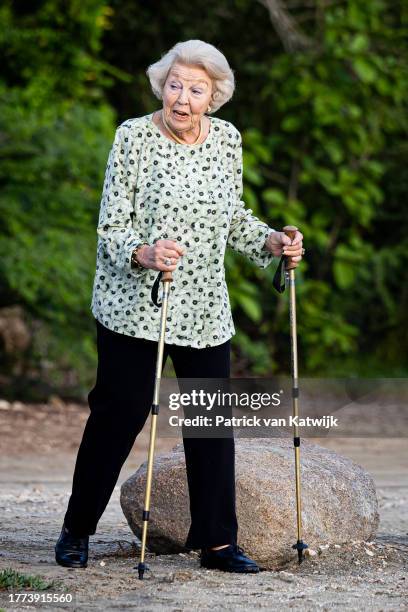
x=322, y=88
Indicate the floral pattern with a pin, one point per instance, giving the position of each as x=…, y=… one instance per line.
x=156, y=188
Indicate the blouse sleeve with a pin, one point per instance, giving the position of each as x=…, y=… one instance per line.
x=116, y=217
x=247, y=233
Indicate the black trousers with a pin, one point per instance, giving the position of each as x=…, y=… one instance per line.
x=120, y=403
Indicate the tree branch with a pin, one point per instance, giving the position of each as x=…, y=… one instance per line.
x=285, y=26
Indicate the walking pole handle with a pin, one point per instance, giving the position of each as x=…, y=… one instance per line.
x=290, y=231
x=167, y=277
x=285, y=263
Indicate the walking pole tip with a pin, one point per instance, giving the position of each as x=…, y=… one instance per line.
x=141, y=570
x=300, y=547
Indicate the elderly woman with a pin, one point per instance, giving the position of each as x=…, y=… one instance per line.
x=171, y=202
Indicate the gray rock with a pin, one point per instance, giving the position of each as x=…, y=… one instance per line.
x=339, y=502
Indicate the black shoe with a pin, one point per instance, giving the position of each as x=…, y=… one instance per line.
x=228, y=559
x=71, y=551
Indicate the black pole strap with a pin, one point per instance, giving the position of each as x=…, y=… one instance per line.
x=279, y=278
x=155, y=290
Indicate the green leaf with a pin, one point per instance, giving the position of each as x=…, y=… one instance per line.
x=274, y=196
x=359, y=43
x=365, y=70
x=344, y=274
x=251, y=307
x=291, y=124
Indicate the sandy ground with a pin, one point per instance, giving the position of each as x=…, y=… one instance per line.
x=37, y=456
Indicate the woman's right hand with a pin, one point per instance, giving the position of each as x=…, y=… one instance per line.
x=155, y=255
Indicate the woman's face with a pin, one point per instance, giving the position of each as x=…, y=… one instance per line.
x=187, y=89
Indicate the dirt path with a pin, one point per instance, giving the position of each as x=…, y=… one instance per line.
x=36, y=464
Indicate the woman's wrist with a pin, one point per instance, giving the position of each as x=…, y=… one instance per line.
x=136, y=260
x=268, y=243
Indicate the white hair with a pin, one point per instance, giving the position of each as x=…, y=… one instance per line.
x=196, y=53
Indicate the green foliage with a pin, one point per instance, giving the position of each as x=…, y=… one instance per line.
x=328, y=165
x=56, y=130
x=11, y=579
x=325, y=148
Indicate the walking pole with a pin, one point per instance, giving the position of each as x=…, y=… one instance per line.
x=290, y=231
x=166, y=279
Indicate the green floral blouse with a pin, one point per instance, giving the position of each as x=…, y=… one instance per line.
x=156, y=188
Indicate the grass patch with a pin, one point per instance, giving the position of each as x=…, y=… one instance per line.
x=10, y=579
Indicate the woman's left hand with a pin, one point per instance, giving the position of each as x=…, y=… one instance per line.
x=279, y=243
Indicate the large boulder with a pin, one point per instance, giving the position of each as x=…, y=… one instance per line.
x=339, y=502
